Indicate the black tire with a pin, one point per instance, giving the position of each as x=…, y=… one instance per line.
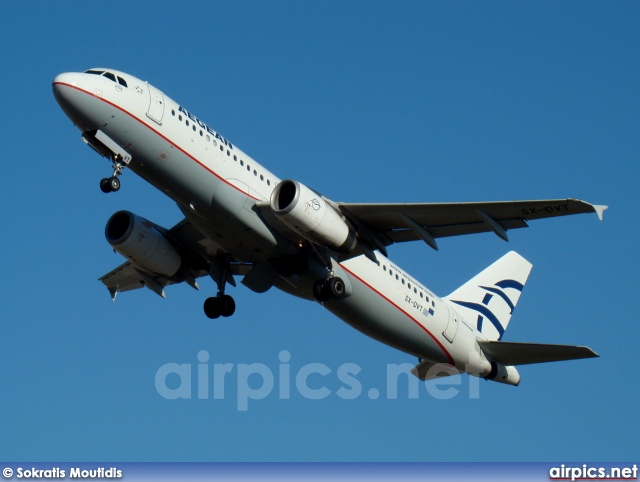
x=114, y=183
x=337, y=288
x=212, y=308
x=227, y=305
x=104, y=186
x=320, y=291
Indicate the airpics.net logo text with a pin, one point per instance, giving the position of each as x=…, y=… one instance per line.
x=247, y=382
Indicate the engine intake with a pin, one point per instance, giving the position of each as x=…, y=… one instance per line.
x=306, y=212
x=138, y=240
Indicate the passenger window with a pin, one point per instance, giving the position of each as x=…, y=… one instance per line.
x=261, y=177
x=235, y=158
x=173, y=112
x=187, y=123
x=194, y=127
x=402, y=280
x=221, y=148
x=268, y=182
x=208, y=138
x=242, y=163
x=255, y=173
x=180, y=117
x=421, y=296
x=415, y=290
x=228, y=153
x=110, y=76
x=200, y=133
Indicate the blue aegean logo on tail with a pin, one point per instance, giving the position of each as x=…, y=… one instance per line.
x=483, y=308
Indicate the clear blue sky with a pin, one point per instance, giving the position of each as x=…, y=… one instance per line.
x=365, y=102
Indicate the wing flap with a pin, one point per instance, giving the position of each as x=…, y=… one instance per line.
x=512, y=353
x=127, y=277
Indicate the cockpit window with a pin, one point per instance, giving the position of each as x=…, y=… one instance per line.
x=108, y=75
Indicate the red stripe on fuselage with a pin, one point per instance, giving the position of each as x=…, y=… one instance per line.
x=444, y=350
x=157, y=133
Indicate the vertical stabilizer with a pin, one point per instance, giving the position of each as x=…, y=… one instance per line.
x=489, y=298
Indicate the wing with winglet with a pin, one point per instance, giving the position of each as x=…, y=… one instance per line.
x=396, y=223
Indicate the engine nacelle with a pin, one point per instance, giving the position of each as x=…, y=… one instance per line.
x=307, y=213
x=138, y=240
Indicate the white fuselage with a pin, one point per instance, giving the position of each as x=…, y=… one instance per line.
x=212, y=178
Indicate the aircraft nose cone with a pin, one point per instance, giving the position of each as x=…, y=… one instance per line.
x=63, y=83
x=66, y=89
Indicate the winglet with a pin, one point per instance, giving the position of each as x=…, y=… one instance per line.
x=113, y=292
x=600, y=209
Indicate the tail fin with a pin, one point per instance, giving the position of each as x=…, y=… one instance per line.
x=490, y=297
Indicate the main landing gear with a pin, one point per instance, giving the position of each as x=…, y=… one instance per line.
x=112, y=184
x=324, y=290
x=221, y=304
x=330, y=287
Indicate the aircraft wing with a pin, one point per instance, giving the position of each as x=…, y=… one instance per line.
x=195, y=249
x=396, y=223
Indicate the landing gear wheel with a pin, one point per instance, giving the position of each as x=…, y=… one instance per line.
x=212, y=308
x=221, y=305
x=336, y=288
x=227, y=305
x=114, y=183
x=104, y=185
x=321, y=291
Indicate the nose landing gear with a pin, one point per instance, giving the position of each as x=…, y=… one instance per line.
x=112, y=184
x=109, y=184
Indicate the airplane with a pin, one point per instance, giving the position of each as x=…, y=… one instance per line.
x=242, y=220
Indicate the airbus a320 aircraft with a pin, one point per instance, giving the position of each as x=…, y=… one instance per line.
x=242, y=220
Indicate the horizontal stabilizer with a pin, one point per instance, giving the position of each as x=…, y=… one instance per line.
x=509, y=353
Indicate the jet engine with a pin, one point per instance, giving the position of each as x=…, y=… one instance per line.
x=139, y=240
x=307, y=213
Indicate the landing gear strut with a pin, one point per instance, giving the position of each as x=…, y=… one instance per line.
x=112, y=184
x=221, y=304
